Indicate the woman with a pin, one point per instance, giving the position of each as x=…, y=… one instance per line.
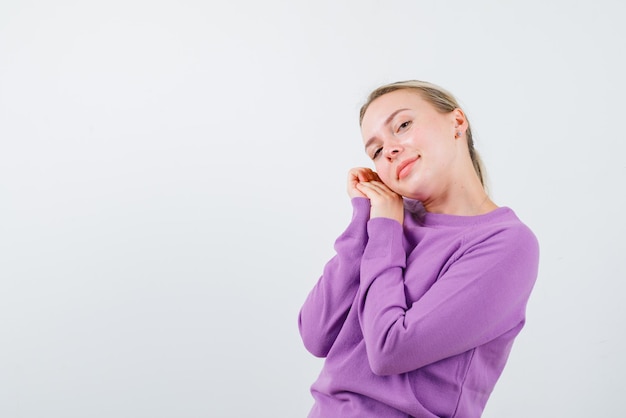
x=417, y=311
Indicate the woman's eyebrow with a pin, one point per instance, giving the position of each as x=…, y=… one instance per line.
x=387, y=122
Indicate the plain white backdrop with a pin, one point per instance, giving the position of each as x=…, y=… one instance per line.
x=172, y=179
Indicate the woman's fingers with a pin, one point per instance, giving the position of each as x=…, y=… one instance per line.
x=359, y=175
x=385, y=203
x=377, y=187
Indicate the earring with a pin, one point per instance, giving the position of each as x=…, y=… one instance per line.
x=458, y=134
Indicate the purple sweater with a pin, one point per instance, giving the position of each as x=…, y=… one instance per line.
x=417, y=320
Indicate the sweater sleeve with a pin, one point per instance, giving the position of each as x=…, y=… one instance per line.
x=481, y=296
x=326, y=307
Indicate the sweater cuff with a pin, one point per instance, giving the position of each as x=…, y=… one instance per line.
x=361, y=207
x=352, y=241
x=385, y=241
x=360, y=216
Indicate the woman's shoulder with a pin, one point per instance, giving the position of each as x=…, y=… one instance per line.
x=503, y=231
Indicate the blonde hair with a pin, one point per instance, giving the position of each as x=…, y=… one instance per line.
x=441, y=99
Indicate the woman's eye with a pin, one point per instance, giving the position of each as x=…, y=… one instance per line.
x=377, y=153
x=404, y=125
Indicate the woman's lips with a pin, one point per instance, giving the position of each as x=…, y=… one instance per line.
x=405, y=168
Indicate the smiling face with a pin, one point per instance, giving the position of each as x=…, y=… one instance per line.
x=416, y=149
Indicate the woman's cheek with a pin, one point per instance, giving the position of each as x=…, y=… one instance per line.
x=381, y=170
x=385, y=176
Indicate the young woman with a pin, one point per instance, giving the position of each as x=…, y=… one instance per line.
x=417, y=311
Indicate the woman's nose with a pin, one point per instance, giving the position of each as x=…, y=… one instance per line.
x=392, y=151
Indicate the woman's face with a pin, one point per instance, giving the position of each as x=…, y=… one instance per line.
x=413, y=145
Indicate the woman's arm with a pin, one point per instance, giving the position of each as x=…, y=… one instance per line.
x=480, y=297
x=327, y=305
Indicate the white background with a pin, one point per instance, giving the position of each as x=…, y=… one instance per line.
x=172, y=181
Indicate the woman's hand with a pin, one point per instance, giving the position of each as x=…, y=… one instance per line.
x=358, y=175
x=385, y=203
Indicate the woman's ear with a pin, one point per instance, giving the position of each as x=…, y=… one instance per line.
x=460, y=122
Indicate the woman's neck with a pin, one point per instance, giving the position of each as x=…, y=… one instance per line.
x=467, y=199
